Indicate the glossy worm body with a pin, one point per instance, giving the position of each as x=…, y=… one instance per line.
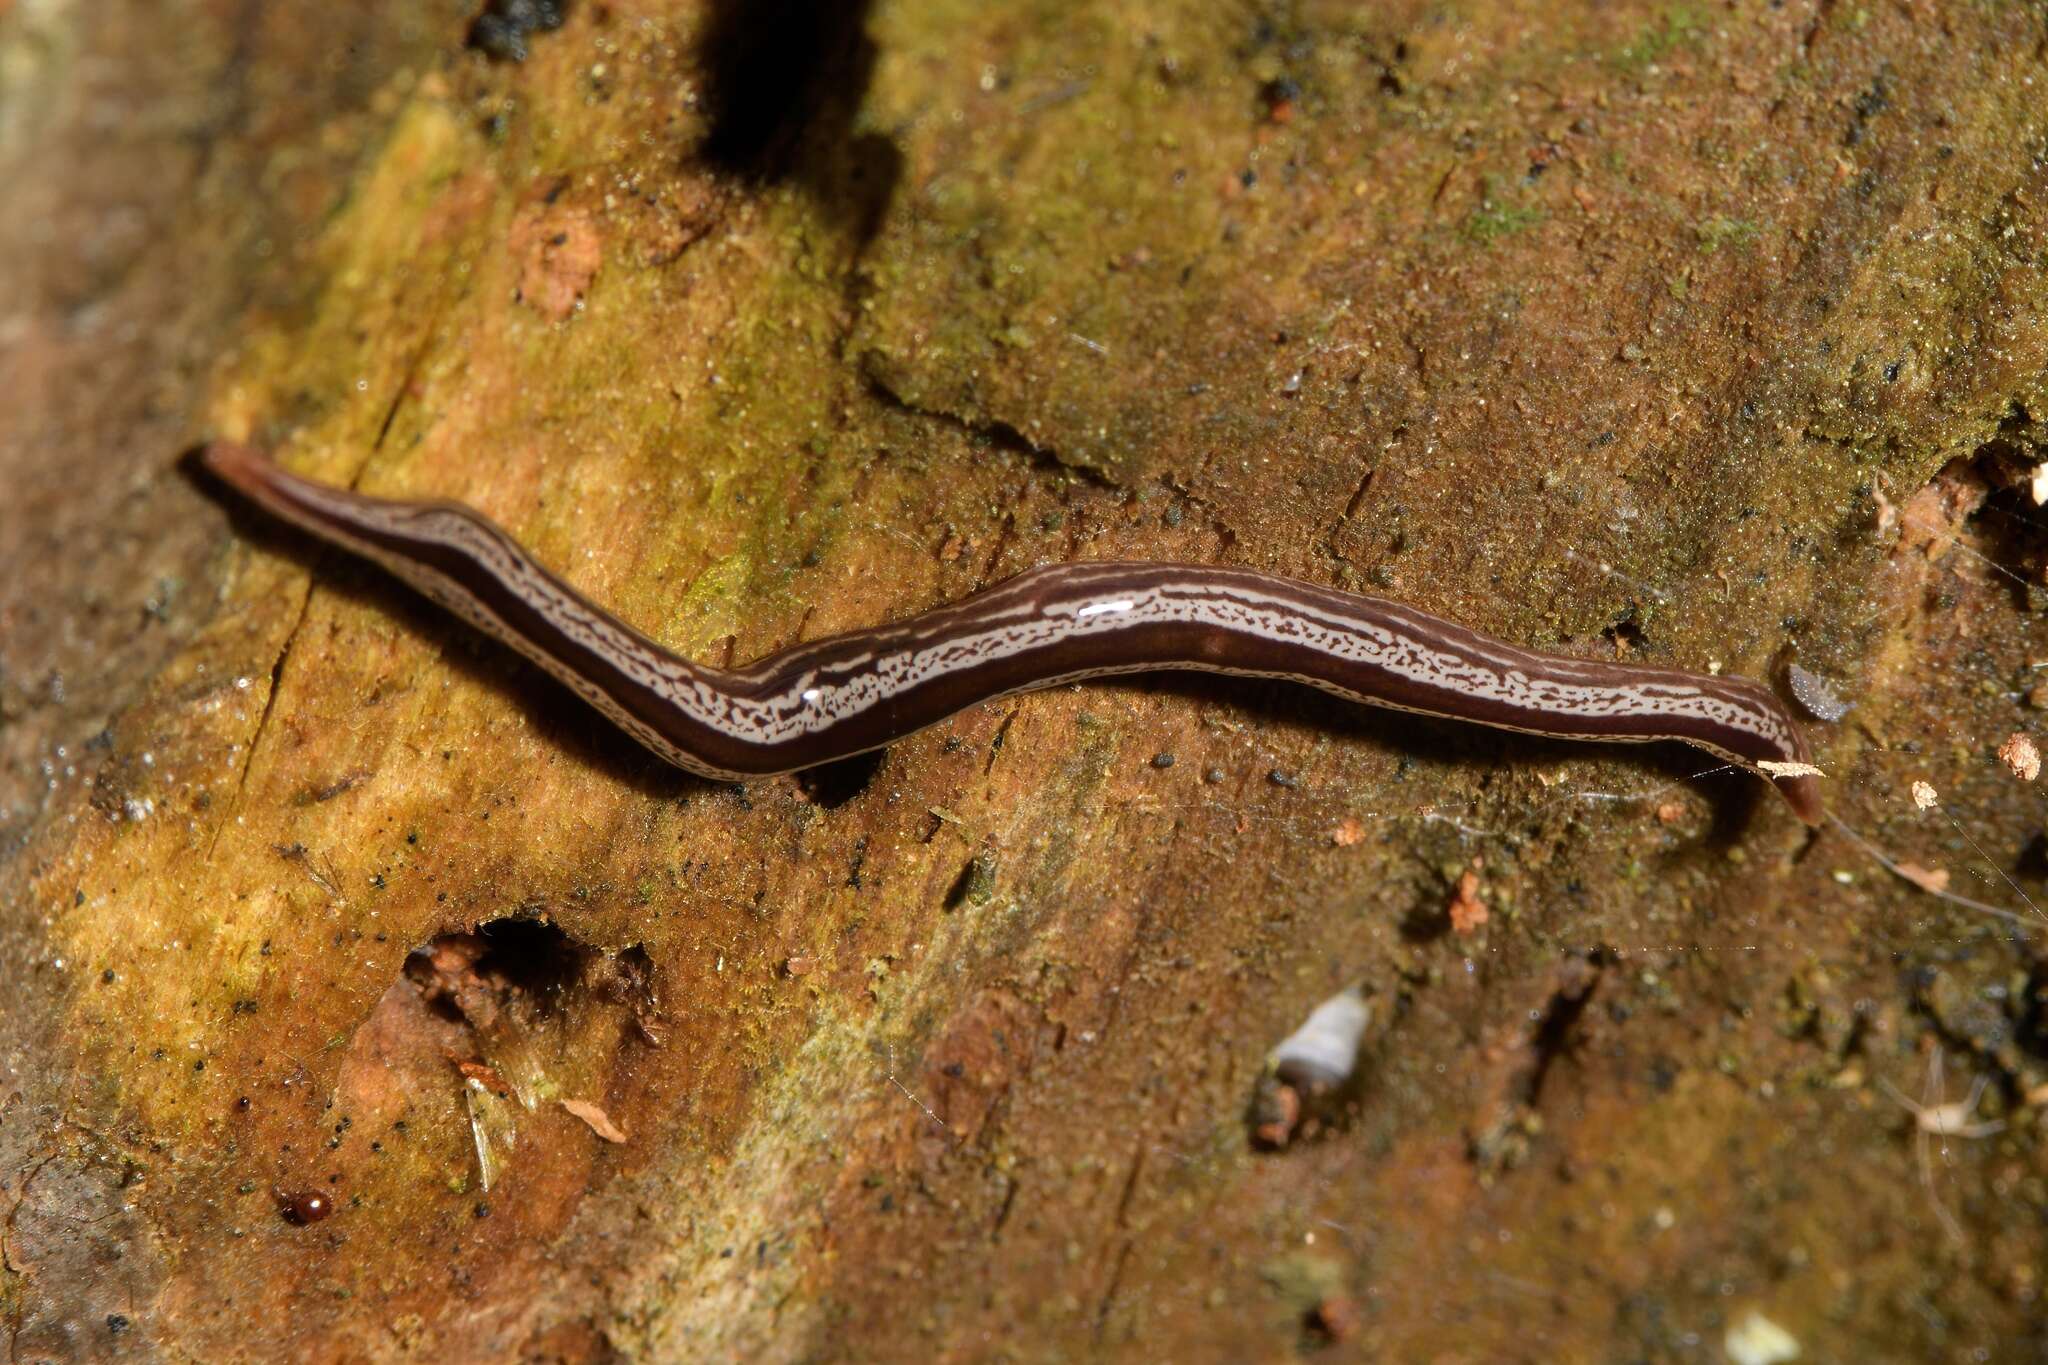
x=846, y=694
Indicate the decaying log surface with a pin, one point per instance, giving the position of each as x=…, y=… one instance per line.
x=1704, y=333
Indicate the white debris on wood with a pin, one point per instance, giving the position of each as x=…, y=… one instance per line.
x=599, y=1121
x=1323, y=1052
x=2020, y=754
x=1816, y=694
x=1754, y=1339
x=494, y=1129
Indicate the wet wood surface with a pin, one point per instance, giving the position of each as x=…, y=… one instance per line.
x=367, y=998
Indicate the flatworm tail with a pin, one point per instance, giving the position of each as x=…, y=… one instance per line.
x=846, y=694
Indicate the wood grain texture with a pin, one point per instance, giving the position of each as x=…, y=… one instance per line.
x=1636, y=331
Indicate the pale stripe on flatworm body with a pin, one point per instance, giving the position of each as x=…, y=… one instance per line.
x=846, y=694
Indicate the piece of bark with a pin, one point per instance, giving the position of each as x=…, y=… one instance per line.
x=1603, y=328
